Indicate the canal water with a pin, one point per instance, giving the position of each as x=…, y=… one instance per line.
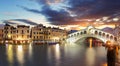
x=53, y=55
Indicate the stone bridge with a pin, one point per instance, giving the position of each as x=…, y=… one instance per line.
x=91, y=31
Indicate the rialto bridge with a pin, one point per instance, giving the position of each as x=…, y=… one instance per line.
x=91, y=31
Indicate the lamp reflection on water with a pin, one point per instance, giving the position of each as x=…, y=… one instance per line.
x=90, y=57
x=57, y=51
x=30, y=51
x=9, y=49
x=90, y=42
x=57, y=54
x=20, y=54
x=54, y=51
x=105, y=64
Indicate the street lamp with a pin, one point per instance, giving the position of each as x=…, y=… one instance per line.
x=108, y=43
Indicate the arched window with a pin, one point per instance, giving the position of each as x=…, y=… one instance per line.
x=111, y=37
x=96, y=32
x=100, y=33
x=107, y=36
x=103, y=34
x=81, y=33
x=85, y=32
x=74, y=34
x=71, y=35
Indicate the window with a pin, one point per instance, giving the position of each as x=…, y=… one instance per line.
x=41, y=37
x=37, y=37
x=34, y=32
x=22, y=31
x=17, y=31
x=34, y=37
x=27, y=31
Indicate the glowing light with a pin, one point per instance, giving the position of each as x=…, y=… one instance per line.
x=9, y=36
x=20, y=55
x=57, y=51
x=57, y=47
x=10, y=53
x=19, y=38
x=55, y=38
x=30, y=50
x=20, y=48
x=90, y=57
x=105, y=64
x=108, y=42
x=90, y=42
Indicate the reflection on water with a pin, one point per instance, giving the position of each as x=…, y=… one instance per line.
x=30, y=51
x=20, y=54
x=105, y=64
x=90, y=42
x=53, y=55
x=90, y=56
x=57, y=51
x=9, y=51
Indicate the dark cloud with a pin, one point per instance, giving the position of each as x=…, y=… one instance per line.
x=8, y=22
x=83, y=9
x=12, y=21
x=95, y=8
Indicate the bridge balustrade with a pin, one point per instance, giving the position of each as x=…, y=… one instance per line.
x=104, y=36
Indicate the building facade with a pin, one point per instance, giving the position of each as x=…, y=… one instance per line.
x=57, y=35
x=42, y=33
x=8, y=33
x=1, y=35
x=21, y=34
x=16, y=35
x=37, y=32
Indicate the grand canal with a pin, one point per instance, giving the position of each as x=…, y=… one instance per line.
x=53, y=55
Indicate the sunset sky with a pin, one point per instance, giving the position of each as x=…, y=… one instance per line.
x=75, y=14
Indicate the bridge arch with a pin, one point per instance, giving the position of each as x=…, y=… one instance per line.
x=103, y=34
x=100, y=33
x=91, y=32
x=96, y=32
x=107, y=36
x=111, y=37
x=85, y=32
x=81, y=33
x=104, y=41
